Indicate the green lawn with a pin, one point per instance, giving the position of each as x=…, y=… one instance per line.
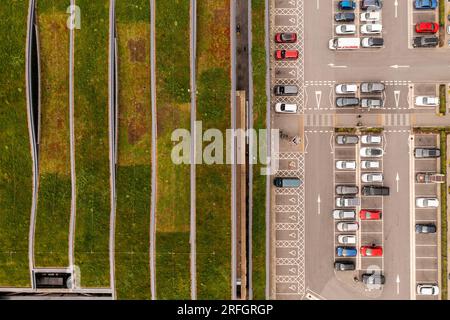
x=214, y=181
x=173, y=112
x=259, y=118
x=133, y=179
x=92, y=145
x=53, y=213
x=15, y=158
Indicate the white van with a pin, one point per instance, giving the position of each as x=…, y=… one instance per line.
x=344, y=44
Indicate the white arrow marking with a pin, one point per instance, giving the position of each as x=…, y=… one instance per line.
x=318, y=204
x=292, y=200
x=292, y=2
x=293, y=252
x=396, y=66
x=332, y=65
x=396, y=8
x=318, y=98
x=292, y=73
x=398, y=284
x=292, y=20
x=293, y=218
x=397, y=97
x=318, y=4
x=397, y=179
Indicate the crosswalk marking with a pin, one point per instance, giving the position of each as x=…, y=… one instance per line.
x=396, y=120
x=319, y=120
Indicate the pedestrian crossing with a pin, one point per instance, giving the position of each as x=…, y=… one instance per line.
x=396, y=120
x=319, y=120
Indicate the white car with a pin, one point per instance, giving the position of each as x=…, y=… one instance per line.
x=371, y=139
x=371, y=28
x=347, y=239
x=372, y=177
x=286, y=108
x=346, y=88
x=346, y=165
x=370, y=16
x=427, y=289
x=427, y=202
x=346, y=29
x=370, y=164
x=371, y=152
x=347, y=226
x=427, y=101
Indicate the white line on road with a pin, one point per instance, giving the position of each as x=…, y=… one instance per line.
x=398, y=284
x=317, y=4
x=318, y=204
x=397, y=179
x=396, y=8
x=396, y=66
x=332, y=65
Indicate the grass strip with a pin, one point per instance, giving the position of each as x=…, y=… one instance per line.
x=213, y=181
x=444, y=190
x=259, y=122
x=53, y=212
x=92, y=145
x=173, y=112
x=15, y=158
x=133, y=178
x=442, y=100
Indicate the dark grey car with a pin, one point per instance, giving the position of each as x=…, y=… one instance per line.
x=427, y=153
x=372, y=87
x=344, y=190
x=344, y=17
x=371, y=4
x=285, y=90
x=344, y=265
x=425, y=228
x=425, y=42
x=371, y=278
x=347, y=139
x=344, y=102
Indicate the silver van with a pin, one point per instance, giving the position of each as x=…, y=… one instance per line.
x=282, y=182
x=285, y=90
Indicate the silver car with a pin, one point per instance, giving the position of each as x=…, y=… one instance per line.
x=347, y=226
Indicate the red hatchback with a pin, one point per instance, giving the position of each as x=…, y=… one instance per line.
x=287, y=37
x=371, y=251
x=427, y=27
x=370, y=214
x=286, y=54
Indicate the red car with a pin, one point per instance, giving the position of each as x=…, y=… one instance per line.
x=427, y=27
x=286, y=54
x=287, y=37
x=370, y=214
x=371, y=251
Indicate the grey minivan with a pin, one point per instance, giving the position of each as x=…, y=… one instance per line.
x=282, y=182
x=285, y=90
x=343, y=190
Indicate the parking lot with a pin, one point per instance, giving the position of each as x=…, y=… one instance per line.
x=420, y=15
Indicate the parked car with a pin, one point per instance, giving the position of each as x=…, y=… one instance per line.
x=371, y=152
x=371, y=177
x=346, y=251
x=347, y=226
x=372, y=87
x=425, y=228
x=286, y=37
x=347, y=139
x=427, y=27
x=345, y=190
x=285, y=90
x=370, y=16
x=345, y=102
x=427, y=153
x=425, y=4
x=375, y=191
x=371, y=251
x=283, y=182
x=425, y=41
x=373, y=279
x=371, y=103
x=366, y=214
x=372, y=42
x=346, y=165
x=344, y=214
x=430, y=177
x=371, y=139
x=344, y=266
x=370, y=164
x=343, y=202
x=347, y=5
x=346, y=88
x=345, y=29
x=344, y=17
x=285, y=107
x=427, y=101
x=423, y=202
x=427, y=289
x=371, y=4
x=286, y=54
x=371, y=28
x=347, y=239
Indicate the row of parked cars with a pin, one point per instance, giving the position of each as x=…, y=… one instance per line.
x=366, y=88
x=425, y=27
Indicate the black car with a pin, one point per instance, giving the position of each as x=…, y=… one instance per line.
x=425, y=42
x=371, y=4
x=344, y=265
x=344, y=102
x=425, y=228
x=344, y=17
x=427, y=153
x=372, y=278
x=375, y=191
